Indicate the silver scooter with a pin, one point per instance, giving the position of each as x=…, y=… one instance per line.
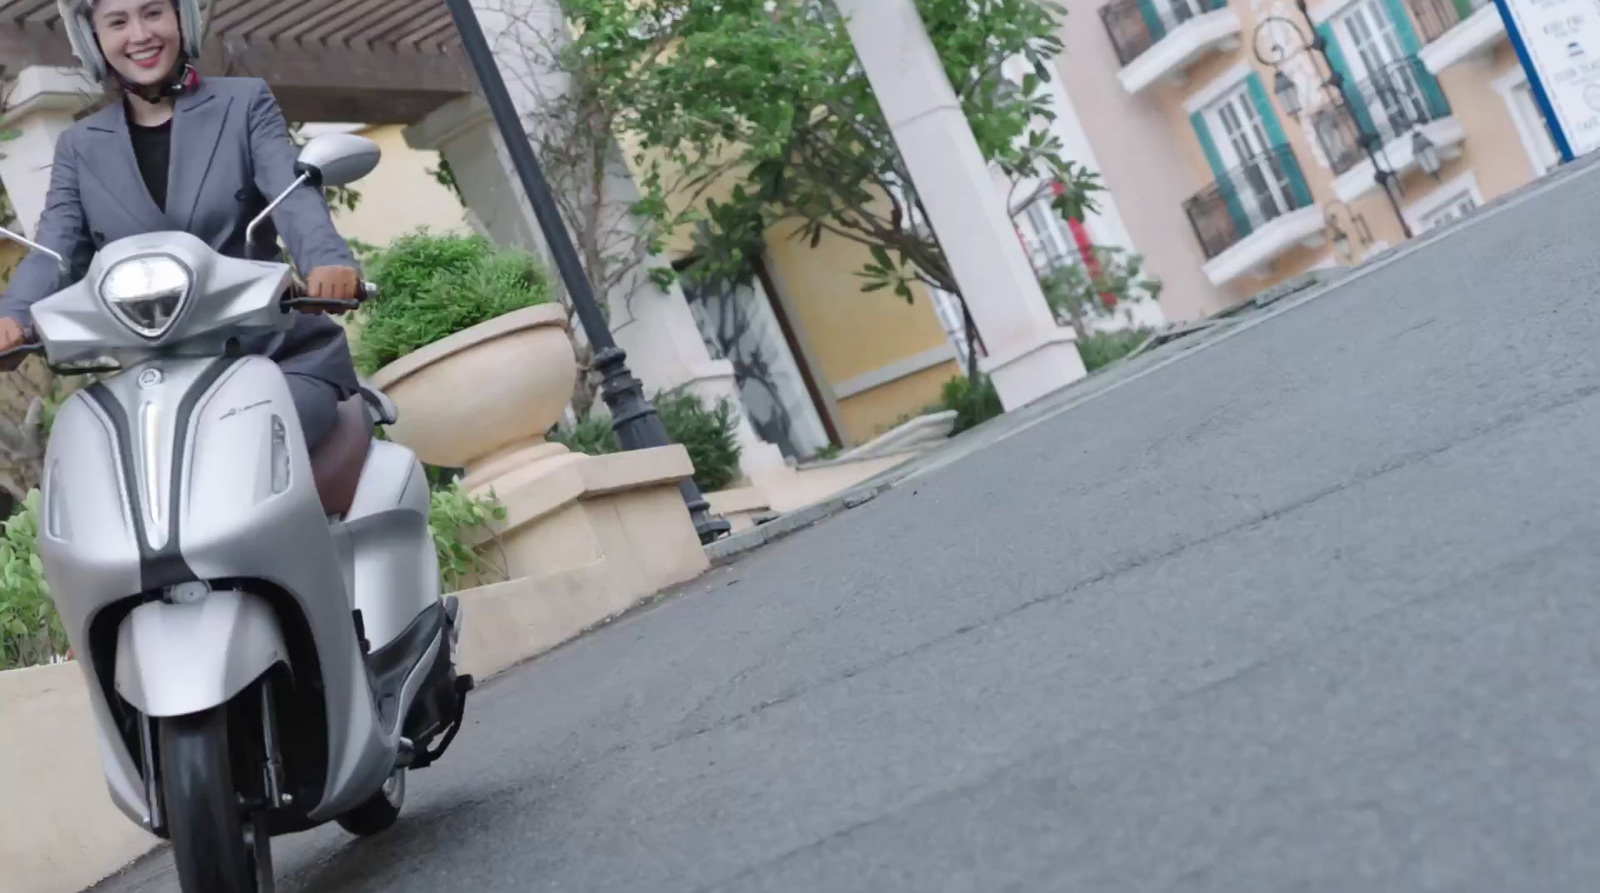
x=262, y=628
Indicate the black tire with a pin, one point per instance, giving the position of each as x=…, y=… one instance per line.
x=381, y=810
x=204, y=819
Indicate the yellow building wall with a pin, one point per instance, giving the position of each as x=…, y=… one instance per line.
x=843, y=332
x=875, y=412
x=1494, y=152
x=849, y=333
x=400, y=196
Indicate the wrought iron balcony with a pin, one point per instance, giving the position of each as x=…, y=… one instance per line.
x=1137, y=25
x=1247, y=200
x=1399, y=98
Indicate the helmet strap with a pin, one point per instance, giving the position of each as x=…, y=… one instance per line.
x=183, y=79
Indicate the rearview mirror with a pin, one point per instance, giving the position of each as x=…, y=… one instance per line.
x=337, y=159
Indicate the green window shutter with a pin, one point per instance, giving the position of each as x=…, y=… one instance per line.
x=1225, y=185
x=1465, y=9
x=1403, y=26
x=1336, y=59
x=1275, y=135
x=1152, y=20
x=1438, y=106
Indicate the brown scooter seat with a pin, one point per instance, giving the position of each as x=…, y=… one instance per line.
x=336, y=463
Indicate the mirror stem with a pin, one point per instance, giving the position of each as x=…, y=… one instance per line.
x=250, y=231
x=35, y=246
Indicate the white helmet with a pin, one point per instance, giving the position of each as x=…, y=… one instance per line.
x=77, y=19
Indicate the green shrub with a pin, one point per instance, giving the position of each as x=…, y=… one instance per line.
x=454, y=517
x=30, y=632
x=708, y=435
x=1101, y=349
x=973, y=404
x=592, y=436
x=433, y=286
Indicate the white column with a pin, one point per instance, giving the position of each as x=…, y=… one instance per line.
x=39, y=108
x=1029, y=355
x=656, y=328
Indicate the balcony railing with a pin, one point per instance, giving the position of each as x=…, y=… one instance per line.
x=1264, y=188
x=1138, y=25
x=1436, y=17
x=1398, y=98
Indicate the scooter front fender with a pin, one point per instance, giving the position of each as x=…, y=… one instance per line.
x=174, y=660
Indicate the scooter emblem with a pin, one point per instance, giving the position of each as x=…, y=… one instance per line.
x=149, y=378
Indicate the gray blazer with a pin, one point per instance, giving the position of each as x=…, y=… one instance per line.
x=231, y=154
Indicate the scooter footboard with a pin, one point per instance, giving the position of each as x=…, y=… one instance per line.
x=174, y=660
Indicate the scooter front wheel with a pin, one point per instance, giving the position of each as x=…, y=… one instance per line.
x=204, y=818
x=381, y=810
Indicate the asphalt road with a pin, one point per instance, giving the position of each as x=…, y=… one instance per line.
x=1312, y=609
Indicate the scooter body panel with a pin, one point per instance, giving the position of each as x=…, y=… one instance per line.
x=174, y=660
x=174, y=472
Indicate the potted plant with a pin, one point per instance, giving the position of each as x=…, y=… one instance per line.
x=467, y=341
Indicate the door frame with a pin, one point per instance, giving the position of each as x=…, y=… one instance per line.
x=824, y=407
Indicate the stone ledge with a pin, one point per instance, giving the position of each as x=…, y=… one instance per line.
x=59, y=831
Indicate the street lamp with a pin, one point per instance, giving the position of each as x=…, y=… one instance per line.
x=1288, y=94
x=1426, y=154
x=1333, y=86
x=632, y=417
x=1337, y=235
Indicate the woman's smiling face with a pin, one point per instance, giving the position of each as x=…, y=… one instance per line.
x=140, y=38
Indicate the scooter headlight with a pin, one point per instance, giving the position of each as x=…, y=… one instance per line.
x=147, y=293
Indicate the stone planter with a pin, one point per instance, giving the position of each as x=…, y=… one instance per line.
x=482, y=399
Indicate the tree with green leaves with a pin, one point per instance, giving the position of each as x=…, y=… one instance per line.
x=1107, y=280
x=770, y=94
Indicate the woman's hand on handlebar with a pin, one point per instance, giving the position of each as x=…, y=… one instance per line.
x=16, y=344
x=12, y=334
x=332, y=284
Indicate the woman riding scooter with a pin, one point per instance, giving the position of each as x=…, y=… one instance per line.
x=178, y=152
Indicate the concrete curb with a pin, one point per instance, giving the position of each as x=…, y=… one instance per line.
x=724, y=550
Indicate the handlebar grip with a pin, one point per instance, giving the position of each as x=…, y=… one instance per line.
x=296, y=298
x=365, y=290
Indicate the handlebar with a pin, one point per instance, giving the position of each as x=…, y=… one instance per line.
x=294, y=299
x=24, y=350
x=297, y=299
x=13, y=357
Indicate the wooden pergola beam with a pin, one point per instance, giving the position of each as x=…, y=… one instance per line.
x=377, y=84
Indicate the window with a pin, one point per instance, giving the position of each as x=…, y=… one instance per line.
x=1243, y=146
x=1366, y=30
x=1047, y=237
x=1456, y=207
x=1377, y=55
x=1450, y=202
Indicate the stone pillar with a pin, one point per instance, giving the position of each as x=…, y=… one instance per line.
x=1029, y=355
x=655, y=327
x=40, y=104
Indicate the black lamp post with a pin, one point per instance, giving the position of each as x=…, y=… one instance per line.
x=1334, y=86
x=632, y=417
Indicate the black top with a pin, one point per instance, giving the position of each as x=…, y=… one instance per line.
x=152, y=146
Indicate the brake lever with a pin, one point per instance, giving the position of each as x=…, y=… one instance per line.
x=320, y=304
